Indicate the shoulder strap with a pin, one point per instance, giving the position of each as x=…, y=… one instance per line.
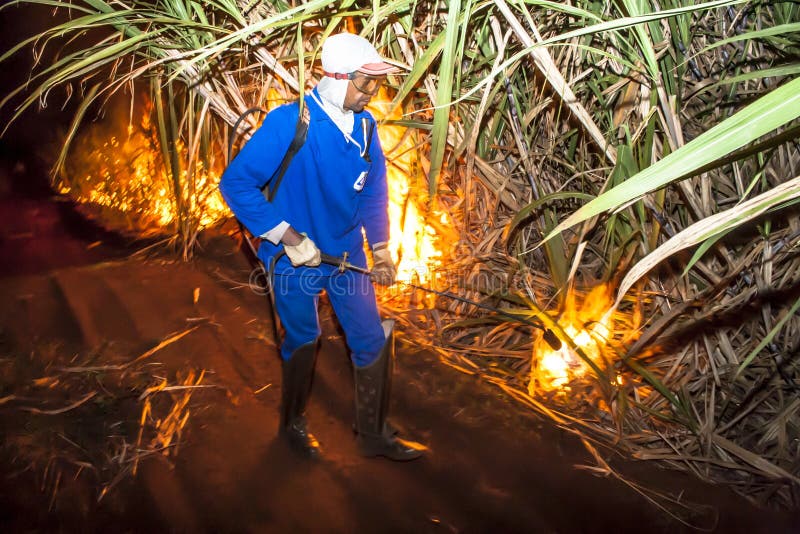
x=235, y=132
x=300, y=134
x=368, y=126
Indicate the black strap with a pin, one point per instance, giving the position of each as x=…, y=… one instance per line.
x=300, y=134
x=368, y=127
x=236, y=125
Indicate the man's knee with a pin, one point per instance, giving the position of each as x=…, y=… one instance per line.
x=367, y=345
x=292, y=343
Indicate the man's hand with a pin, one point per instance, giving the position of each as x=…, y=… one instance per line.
x=383, y=270
x=300, y=249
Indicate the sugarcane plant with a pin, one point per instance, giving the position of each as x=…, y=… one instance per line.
x=639, y=155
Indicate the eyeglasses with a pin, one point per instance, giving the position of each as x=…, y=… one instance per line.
x=369, y=85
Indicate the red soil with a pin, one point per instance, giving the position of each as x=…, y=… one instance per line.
x=492, y=466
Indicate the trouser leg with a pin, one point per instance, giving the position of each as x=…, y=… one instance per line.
x=296, y=299
x=352, y=297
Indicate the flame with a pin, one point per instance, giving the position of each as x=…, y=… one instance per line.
x=590, y=327
x=119, y=165
x=416, y=246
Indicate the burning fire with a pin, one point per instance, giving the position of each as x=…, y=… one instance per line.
x=118, y=165
x=590, y=326
x=413, y=242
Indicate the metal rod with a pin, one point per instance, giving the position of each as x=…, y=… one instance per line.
x=549, y=336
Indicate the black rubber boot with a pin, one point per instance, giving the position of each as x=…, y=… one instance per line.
x=373, y=385
x=296, y=388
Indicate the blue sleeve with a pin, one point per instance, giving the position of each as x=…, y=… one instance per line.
x=252, y=169
x=375, y=196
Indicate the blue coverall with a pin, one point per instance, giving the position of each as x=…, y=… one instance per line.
x=331, y=191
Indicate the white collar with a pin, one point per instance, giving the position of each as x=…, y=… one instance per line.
x=331, y=99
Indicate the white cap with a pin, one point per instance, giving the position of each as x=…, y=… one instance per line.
x=344, y=53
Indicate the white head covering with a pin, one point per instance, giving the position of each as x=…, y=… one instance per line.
x=344, y=53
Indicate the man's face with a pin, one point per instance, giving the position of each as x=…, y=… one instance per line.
x=360, y=91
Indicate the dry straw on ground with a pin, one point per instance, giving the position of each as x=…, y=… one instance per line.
x=76, y=419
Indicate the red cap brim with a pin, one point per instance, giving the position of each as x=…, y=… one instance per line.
x=377, y=69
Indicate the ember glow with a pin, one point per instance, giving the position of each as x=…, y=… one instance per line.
x=117, y=166
x=590, y=326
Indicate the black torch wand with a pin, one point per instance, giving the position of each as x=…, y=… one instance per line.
x=549, y=336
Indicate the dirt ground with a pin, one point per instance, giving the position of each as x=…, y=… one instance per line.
x=492, y=466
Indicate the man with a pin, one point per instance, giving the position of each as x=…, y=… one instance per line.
x=334, y=188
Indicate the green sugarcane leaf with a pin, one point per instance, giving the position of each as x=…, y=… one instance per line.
x=769, y=112
x=781, y=29
x=768, y=338
x=600, y=28
x=420, y=68
x=444, y=94
x=675, y=401
x=710, y=227
x=704, y=247
x=73, y=129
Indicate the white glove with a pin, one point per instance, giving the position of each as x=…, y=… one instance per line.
x=384, y=271
x=304, y=253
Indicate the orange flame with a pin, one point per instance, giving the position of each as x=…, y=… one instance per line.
x=118, y=165
x=589, y=326
x=415, y=245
